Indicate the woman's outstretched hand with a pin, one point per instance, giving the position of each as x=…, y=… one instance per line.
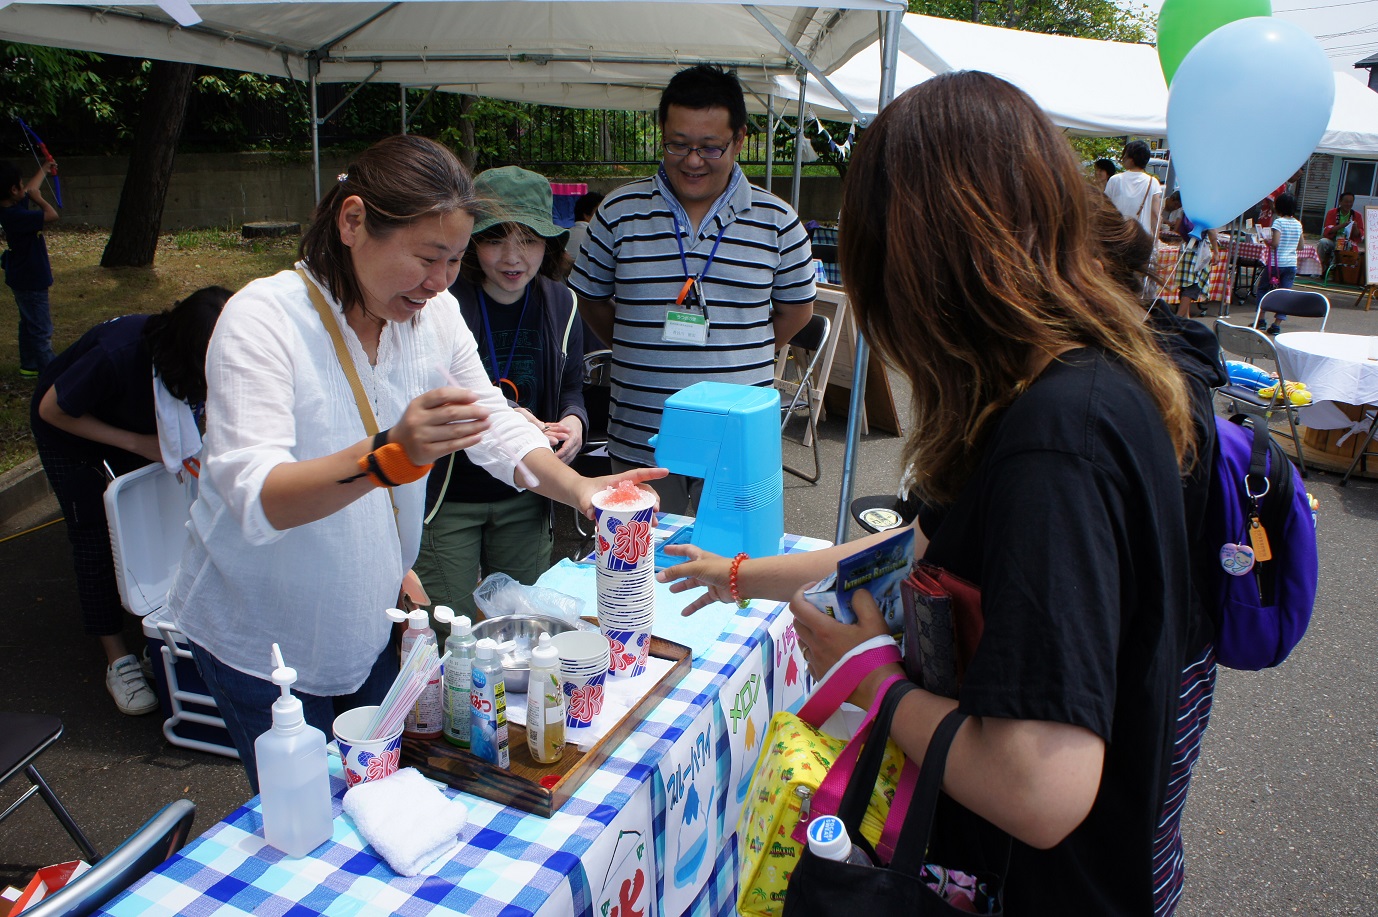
x=588, y=487
x=701, y=569
x=824, y=640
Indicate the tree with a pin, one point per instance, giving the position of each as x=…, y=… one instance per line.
x=1103, y=19
x=134, y=238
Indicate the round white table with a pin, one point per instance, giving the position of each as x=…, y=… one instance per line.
x=1335, y=367
x=1341, y=372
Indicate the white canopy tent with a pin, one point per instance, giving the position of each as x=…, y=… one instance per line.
x=1088, y=87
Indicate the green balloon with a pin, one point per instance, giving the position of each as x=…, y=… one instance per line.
x=1183, y=23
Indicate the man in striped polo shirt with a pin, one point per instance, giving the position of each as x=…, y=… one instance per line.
x=691, y=274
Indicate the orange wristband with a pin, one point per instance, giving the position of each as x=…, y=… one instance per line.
x=732, y=581
x=390, y=466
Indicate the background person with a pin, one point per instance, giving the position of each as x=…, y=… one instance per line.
x=1103, y=170
x=295, y=537
x=1134, y=192
x=1050, y=478
x=23, y=214
x=1283, y=240
x=1341, y=224
x=584, y=208
x=531, y=342
x=697, y=219
x=93, y=408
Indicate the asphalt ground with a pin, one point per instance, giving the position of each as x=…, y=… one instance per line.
x=1282, y=817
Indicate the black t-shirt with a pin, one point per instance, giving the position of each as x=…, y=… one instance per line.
x=518, y=351
x=107, y=373
x=1072, y=524
x=26, y=262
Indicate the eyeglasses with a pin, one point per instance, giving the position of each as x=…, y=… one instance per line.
x=684, y=149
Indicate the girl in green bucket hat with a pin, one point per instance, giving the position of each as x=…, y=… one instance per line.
x=513, y=298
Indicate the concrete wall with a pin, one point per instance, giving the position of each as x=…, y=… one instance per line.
x=230, y=189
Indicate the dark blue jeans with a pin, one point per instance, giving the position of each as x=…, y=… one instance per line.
x=246, y=701
x=35, y=329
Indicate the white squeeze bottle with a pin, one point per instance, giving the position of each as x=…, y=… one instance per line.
x=292, y=777
x=425, y=720
x=488, y=734
x=828, y=838
x=458, y=680
x=545, y=704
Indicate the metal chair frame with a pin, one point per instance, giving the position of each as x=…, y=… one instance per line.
x=1251, y=344
x=804, y=394
x=31, y=734
x=1299, y=303
x=1361, y=456
x=597, y=374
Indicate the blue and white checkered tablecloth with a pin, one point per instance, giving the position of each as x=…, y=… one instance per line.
x=509, y=863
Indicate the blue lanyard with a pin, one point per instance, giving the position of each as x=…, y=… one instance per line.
x=516, y=335
x=688, y=278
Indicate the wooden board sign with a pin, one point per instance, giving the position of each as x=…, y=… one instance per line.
x=520, y=786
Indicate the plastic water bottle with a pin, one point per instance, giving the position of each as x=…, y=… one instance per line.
x=456, y=706
x=545, y=704
x=293, y=781
x=828, y=838
x=488, y=735
x=425, y=720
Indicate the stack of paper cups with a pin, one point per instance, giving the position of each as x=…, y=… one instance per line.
x=626, y=577
x=583, y=669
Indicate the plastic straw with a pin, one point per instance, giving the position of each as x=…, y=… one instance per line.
x=421, y=666
x=531, y=479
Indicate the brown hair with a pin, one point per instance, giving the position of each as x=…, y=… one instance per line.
x=1127, y=248
x=964, y=298
x=555, y=265
x=400, y=179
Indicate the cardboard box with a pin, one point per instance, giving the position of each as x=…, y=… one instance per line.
x=48, y=880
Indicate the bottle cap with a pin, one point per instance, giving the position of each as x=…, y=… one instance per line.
x=485, y=648
x=287, y=710
x=544, y=654
x=828, y=838
x=417, y=619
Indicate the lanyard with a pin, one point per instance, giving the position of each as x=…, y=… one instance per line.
x=689, y=279
x=516, y=334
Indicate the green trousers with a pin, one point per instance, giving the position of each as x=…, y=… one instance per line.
x=465, y=541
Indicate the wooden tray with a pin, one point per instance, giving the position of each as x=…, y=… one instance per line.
x=520, y=786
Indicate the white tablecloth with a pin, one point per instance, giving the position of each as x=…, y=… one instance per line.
x=1335, y=367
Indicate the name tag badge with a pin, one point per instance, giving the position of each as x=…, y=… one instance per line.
x=685, y=328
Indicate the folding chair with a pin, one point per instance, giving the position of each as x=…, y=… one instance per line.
x=800, y=385
x=1362, y=456
x=23, y=737
x=1250, y=344
x=161, y=836
x=1299, y=303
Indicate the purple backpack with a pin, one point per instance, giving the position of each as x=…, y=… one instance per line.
x=1264, y=604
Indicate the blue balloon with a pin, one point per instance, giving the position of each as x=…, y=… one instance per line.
x=1246, y=109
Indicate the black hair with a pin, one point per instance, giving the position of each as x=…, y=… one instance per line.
x=1285, y=205
x=1107, y=166
x=1345, y=194
x=1137, y=152
x=706, y=86
x=9, y=176
x=177, y=340
x=586, y=205
x=555, y=263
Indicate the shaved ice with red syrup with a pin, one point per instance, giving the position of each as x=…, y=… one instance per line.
x=624, y=495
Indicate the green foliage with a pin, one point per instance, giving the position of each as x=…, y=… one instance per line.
x=1103, y=19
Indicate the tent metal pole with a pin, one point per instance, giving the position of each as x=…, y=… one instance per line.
x=856, y=403
x=799, y=144
x=402, y=102
x=770, y=140
x=313, y=66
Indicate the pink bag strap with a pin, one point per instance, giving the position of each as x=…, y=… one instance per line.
x=833, y=692
x=828, y=797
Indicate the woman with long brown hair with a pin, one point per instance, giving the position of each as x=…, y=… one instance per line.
x=1048, y=434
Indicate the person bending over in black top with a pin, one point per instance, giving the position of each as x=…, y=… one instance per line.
x=92, y=414
x=1048, y=436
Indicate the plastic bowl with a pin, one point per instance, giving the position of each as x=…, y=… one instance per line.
x=523, y=631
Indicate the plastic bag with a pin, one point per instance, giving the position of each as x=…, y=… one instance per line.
x=500, y=594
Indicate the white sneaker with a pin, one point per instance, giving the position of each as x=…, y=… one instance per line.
x=124, y=679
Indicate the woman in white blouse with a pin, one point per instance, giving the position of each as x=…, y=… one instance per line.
x=295, y=539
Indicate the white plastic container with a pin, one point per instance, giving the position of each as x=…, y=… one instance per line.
x=457, y=683
x=545, y=704
x=426, y=719
x=293, y=779
x=488, y=735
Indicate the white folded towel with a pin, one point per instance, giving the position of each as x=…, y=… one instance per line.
x=178, y=436
x=406, y=819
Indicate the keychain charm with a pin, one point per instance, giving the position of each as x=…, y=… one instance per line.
x=1237, y=559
